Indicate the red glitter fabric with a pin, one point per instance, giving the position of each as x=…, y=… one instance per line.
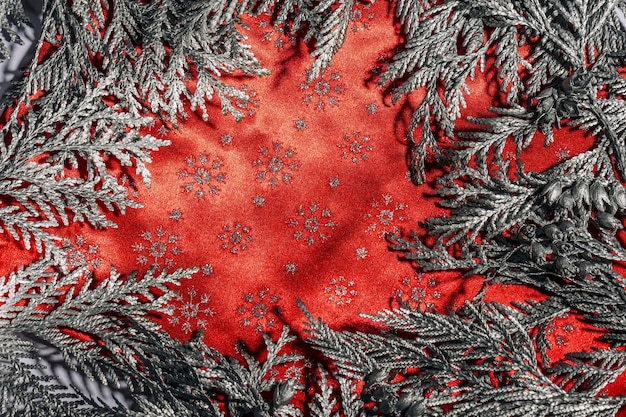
x=295, y=200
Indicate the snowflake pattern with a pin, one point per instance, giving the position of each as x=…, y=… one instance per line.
x=258, y=200
x=259, y=311
x=559, y=331
x=202, y=175
x=340, y=291
x=361, y=253
x=226, y=139
x=562, y=154
x=176, y=215
x=419, y=293
x=356, y=147
x=81, y=253
x=371, y=108
x=323, y=90
x=313, y=223
x=158, y=247
x=275, y=36
x=290, y=268
x=275, y=164
x=300, y=125
x=251, y=105
x=192, y=312
x=384, y=216
x=235, y=238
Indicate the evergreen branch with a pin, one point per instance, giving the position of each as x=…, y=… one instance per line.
x=103, y=332
x=480, y=361
x=81, y=133
x=12, y=16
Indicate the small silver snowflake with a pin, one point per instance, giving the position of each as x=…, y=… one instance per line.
x=334, y=182
x=371, y=108
x=361, y=253
x=176, y=215
x=226, y=139
x=562, y=154
x=290, y=268
x=258, y=201
x=207, y=269
x=301, y=124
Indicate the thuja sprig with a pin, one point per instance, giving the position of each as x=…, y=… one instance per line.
x=480, y=360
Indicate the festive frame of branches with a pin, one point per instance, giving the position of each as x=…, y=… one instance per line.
x=105, y=70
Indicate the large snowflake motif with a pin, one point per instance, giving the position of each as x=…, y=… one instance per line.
x=356, y=147
x=202, y=175
x=158, y=247
x=322, y=90
x=192, y=311
x=275, y=164
x=419, y=293
x=384, y=216
x=340, y=291
x=235, y=238
x=312, y=223
x=81, y=253
x=259, y=310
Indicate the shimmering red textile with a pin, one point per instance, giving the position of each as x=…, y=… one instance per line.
x=294, y=201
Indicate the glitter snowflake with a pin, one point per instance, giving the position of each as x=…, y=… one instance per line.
x=371, y=108
x=252, y=104
x=176, y=215
x=235, y=238
x=323, y=90
x=258, y=200
x=361, y=253
x=226, y=139
x=290, y=268
x=207, y=269
x=384, y=216
x=300, y=124
x=275, y=35
x=259, y=310
x=559, y=331
x=312, y=223
x=158, y=247
x=356, y=147
x=191, y=312
x=275, y=164
x=340, y=291
x=202, y=175
x=334, y=182
x=562, y=154
x=81, y=253
x=419, y=293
